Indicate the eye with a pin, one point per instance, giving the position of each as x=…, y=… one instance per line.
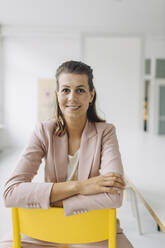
x=65, y=90
x=80, y=90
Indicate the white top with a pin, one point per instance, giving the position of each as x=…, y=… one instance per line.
x=73, y=166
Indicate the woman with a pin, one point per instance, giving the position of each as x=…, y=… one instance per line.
x=83, y=168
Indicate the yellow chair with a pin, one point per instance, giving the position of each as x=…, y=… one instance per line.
x=53, y=226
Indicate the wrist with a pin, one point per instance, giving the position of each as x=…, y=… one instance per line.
x=58, y=204
x=78, y=186
x=52, y=198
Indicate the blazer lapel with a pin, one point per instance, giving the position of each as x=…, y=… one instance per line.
x=87, y=150
x=61, y=157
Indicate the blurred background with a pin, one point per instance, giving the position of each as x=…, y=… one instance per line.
x=124, y=42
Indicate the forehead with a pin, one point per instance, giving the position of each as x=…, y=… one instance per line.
x=73, y=80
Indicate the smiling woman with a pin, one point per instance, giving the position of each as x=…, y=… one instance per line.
x=74, y=96
x=83, y=168
x=75, y=83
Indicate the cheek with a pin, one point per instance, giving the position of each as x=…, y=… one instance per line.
x=61, y=100
x=85, y=100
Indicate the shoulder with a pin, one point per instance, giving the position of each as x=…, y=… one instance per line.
x=106, y=133
x=104, y=127
x=48, y=124
x=44, y=128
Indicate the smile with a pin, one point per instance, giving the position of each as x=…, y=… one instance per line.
x=73, y=107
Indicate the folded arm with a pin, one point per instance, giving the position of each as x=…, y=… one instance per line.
x=19, y=190
x=110, y=163
x=73, y=195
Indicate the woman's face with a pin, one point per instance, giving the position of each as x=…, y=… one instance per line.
x=74, y=95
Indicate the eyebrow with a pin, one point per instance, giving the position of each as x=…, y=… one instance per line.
x=76, y=87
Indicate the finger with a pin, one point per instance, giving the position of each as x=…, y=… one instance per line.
x=119, y=180
x=113, y=184
x=115, y=174
x=115, y=179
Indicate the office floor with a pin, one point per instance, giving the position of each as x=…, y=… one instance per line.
x=151, y=238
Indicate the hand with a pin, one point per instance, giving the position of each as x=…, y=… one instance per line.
x=109, y=183
x=58, y=204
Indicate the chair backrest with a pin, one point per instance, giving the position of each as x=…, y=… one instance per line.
x=53, y=226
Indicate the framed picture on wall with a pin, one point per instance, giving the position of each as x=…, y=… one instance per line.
x=46, y=98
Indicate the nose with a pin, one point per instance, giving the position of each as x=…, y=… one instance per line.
x=72, y=96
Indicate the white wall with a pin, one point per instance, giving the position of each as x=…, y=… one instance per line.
x=1, y=94
x=38, y=35
x=115, y=16
x=118, y=65
x=26, y=60
x=1, y=80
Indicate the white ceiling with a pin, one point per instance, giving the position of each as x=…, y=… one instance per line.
x=144, y=16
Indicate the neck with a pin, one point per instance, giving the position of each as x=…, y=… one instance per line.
x=75, y=127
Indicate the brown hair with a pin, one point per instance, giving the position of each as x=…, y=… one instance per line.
x=76, y=67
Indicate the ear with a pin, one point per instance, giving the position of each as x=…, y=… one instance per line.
x=92, y=94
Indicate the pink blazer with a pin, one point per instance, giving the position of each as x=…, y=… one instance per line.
x=99, y=154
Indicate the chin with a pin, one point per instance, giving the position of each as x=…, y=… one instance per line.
x=74, y=116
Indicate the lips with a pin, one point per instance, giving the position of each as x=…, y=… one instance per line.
x=73, y=107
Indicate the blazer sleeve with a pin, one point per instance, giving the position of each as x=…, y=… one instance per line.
x=110, y=162
x=19, y=190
